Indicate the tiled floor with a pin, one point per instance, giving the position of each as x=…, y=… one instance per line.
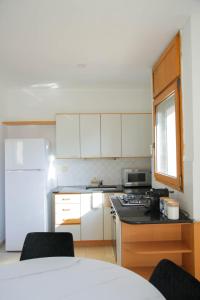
x=104, y=253
x=8, y=257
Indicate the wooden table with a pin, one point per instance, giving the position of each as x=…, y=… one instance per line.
x=59, y=278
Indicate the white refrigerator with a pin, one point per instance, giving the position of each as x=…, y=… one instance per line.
x=26, y=167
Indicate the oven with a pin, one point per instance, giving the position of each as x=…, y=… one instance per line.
x=136, y=177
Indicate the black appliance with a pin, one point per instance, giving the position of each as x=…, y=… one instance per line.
x=136, y=177
x=134, y=200
x=144, y=198
x=154, y=197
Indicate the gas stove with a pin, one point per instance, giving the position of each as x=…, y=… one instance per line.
x=134, y=200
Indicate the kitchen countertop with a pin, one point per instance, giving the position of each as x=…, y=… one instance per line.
x=141, y=215
x=83, y=189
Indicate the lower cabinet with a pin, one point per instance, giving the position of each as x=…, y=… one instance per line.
x=107, y=224
x=143, y=246
x=118, y=240
x=67, y=215
x=107, y=217
x=87, y=216
x=92, y=216
x=74, y=229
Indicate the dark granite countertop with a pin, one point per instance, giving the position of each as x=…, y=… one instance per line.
x=141, y=215
x=84, y=189
x=104, y=189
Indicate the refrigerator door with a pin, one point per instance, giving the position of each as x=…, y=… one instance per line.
x=26, y=206
x=25, y=154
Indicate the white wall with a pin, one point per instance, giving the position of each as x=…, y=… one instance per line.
x=40, y=104
x=80, y=172
x=43, y=104
x=195, y=42
x=2, y=221
x=190, y=199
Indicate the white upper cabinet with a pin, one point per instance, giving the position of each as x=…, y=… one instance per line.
x=136, y=135
x=67, y=136
x=111, y=135
x=90, y=135
x=103, y=135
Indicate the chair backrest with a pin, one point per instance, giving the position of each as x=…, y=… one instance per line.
x=175, y=283
x=47, y=244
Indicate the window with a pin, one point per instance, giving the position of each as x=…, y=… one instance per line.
x=168, y=160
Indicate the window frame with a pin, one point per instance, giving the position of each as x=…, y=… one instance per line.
x=174, y=182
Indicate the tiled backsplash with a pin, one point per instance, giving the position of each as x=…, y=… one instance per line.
x=81, y=171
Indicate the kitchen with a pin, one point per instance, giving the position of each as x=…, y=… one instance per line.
x=97, y=129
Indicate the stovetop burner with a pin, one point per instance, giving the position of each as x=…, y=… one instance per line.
x=134, y=200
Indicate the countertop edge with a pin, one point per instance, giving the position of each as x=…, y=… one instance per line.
x=165, y=220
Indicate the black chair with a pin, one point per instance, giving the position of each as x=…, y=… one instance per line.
x=47, y=244
x=175, y=283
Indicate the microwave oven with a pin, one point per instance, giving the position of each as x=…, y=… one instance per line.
x=136, y=177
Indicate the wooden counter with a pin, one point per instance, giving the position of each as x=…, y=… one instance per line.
x=143, y=246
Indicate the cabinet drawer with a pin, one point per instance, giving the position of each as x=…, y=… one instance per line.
x=67, y=198
x=67, y=214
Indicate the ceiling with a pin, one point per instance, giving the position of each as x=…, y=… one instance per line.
x=86, y=43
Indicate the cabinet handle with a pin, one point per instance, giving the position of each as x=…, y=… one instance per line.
x=66, y=209
x=66, y=199
x=71, y=221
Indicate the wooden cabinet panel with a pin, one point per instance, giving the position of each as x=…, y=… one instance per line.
x=90, y=135
x=143, y=246
x=136, y=135
x=167, y=68
x=111, y=135
x=67, y=136
x=155, y=232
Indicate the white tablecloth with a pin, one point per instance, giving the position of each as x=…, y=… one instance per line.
x=60, y=278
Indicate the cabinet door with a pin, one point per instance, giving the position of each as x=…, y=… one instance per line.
x=67, y=136
x=136, y=135
x=111, y=135
x=91, y=217
x=107, y=217
x=90, y=135
x=118, y=240
x=107, y=223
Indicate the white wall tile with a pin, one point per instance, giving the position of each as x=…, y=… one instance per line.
x=81, y=171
